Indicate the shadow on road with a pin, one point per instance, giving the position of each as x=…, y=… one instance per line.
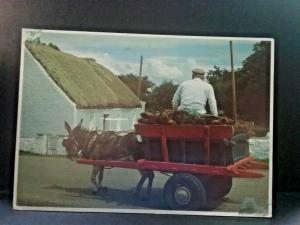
x=124, y=198
x=118, y=197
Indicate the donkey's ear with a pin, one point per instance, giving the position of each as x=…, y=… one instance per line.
x=67, y=126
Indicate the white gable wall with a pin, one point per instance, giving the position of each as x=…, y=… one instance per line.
x=114, y=119
x=44, y=106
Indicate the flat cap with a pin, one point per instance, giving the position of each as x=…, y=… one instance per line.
x=198, y=71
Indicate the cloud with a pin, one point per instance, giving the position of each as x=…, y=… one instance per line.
x=177, y=69
x=163, y=68
x=69, y=39
x=121, y=40
x=165, y=57
x=106, y=60
x=158, y=68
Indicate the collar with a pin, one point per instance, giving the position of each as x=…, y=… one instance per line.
x=197, y=78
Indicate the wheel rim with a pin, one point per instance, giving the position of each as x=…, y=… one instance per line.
x=182, y=195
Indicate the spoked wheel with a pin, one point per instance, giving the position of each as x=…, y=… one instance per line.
x=184, y=191
x=217, y=186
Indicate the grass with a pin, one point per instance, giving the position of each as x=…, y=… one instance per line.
x=88, y=84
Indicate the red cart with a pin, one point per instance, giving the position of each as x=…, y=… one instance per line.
x=201, y=158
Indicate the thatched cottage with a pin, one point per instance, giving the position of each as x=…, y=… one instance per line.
x=60, y=87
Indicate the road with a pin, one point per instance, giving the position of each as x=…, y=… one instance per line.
x=59, y=182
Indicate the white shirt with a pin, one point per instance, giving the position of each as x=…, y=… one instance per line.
x=192, y=95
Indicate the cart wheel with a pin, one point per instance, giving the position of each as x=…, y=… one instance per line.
x=218, y=186
x=184, y=191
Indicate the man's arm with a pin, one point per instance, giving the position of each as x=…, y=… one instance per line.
x=212, y=102
x=176, y=98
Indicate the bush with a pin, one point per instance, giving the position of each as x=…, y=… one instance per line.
x=54, y=46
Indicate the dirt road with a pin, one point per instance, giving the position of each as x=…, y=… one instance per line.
x=59, y=182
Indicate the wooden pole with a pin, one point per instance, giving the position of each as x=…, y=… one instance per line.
x=233, y=86
x=140, y=78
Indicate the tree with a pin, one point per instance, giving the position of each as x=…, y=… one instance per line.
x=161, y=97
x=252, y=86
x=220, y=79
x=54, y=46
x=132, y=81
x=256, y=94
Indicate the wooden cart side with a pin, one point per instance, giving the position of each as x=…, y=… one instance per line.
x=163, y=134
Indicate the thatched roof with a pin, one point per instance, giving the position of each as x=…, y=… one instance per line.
x=87, y=83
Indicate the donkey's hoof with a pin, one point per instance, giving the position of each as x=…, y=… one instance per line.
x=104, y=189
x=100, y=191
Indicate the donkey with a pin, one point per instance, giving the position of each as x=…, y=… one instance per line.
x=83, y=143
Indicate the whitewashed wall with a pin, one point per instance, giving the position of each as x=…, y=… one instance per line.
x=44, y=107
x=37, y=145
x=118, y=119
x=43, y=145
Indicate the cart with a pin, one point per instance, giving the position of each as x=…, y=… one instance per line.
x=201, y=159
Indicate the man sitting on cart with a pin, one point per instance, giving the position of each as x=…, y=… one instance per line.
x=191, y=96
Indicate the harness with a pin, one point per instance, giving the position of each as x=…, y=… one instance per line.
x=89, y=145
x=106, y=140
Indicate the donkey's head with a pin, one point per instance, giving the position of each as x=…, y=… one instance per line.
x=71, y=143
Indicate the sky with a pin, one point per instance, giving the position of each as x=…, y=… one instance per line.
x=165, y=58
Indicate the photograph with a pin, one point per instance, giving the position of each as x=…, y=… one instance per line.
x=144, y=123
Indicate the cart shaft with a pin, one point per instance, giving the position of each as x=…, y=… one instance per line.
x=235, y=170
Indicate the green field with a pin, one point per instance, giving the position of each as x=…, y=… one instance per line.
x=59, y=182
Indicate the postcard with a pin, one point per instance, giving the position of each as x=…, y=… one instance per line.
x=135, y=123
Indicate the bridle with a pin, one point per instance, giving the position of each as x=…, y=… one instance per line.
x=71, y=143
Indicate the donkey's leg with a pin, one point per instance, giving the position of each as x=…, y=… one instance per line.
x=94, y=177
x=139, y=186
x=150, y=175
x=100, y=179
